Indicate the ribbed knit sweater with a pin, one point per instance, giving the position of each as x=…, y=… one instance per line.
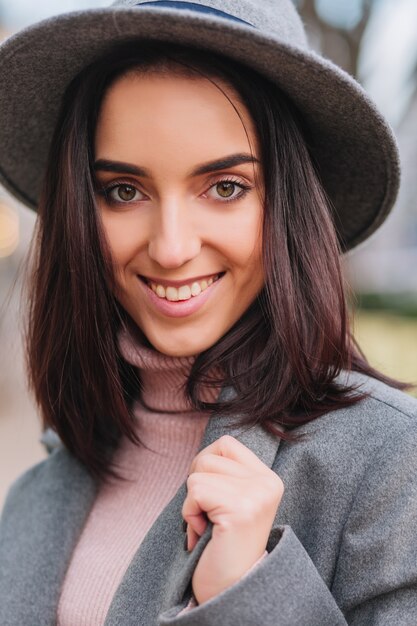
x=123, y=512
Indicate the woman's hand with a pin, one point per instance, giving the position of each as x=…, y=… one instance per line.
x=240, y=495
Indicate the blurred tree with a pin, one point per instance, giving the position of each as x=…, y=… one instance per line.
x=3, y=31
x=336, y=28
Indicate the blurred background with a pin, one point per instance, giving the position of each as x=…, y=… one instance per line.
x=374, y=40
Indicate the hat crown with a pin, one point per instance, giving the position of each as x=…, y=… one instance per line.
x=272, y=17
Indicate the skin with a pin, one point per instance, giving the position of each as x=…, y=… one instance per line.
x=178, y=227
x=240, y=495
x=173, y=223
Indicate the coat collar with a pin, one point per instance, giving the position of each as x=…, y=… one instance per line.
x=49, y=514
x=41, y=522
x=162, y=552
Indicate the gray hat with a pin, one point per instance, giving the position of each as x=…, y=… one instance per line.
x=353, y=146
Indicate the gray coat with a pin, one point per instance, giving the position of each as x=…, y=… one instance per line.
x=343, y=548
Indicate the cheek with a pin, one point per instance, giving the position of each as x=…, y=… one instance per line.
x=122, y=239
x=252, y=260
x=245, y=245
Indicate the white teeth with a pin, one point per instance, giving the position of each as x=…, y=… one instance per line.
x=195, y=289
x=185, y=292
x=160, y=291
x=171, y=294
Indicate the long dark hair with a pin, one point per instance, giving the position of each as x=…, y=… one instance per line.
x=282, y=357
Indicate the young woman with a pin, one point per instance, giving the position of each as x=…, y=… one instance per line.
x=221, y=453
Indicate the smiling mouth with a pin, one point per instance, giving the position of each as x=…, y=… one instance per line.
x=185, y=291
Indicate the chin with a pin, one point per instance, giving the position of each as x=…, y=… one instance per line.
x=180, y=347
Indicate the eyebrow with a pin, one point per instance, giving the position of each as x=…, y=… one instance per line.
x=222, y=164
x=105, y=165
x=118, y=167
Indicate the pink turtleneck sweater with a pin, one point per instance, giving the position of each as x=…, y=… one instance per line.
x=123, y=512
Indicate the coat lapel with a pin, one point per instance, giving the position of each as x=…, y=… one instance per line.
x=161, y=571
x=46, y=510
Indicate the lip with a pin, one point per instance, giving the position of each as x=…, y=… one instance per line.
x=182, y=308
x=178, y=283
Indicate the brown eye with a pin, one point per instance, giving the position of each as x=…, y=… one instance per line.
x=126, y=193
x=225, y=189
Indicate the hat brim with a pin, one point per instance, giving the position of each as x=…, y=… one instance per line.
x=353, y=147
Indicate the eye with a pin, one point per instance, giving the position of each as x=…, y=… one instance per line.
x=123, y=193
x=227, y=190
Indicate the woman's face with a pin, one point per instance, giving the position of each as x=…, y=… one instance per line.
x=178, y=176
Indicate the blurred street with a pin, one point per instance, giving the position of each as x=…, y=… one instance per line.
x=19, y=425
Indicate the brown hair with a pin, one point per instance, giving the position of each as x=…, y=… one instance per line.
x=282, y=357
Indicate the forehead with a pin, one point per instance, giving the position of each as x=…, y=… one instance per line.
x=148, y=113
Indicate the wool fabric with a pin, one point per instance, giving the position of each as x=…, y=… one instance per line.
x=171, y=433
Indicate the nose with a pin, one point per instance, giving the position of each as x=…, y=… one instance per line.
x=174, y=239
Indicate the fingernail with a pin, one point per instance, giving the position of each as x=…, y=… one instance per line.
x=184, y=525
x=186, y=543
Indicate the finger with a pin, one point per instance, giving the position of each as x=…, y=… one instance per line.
x=193, y=514
x=198, y=521
x=215, y=464
x=229, y=447
x=191, y=538
x=201, y=496
x=236, y=497
x=208, y=493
